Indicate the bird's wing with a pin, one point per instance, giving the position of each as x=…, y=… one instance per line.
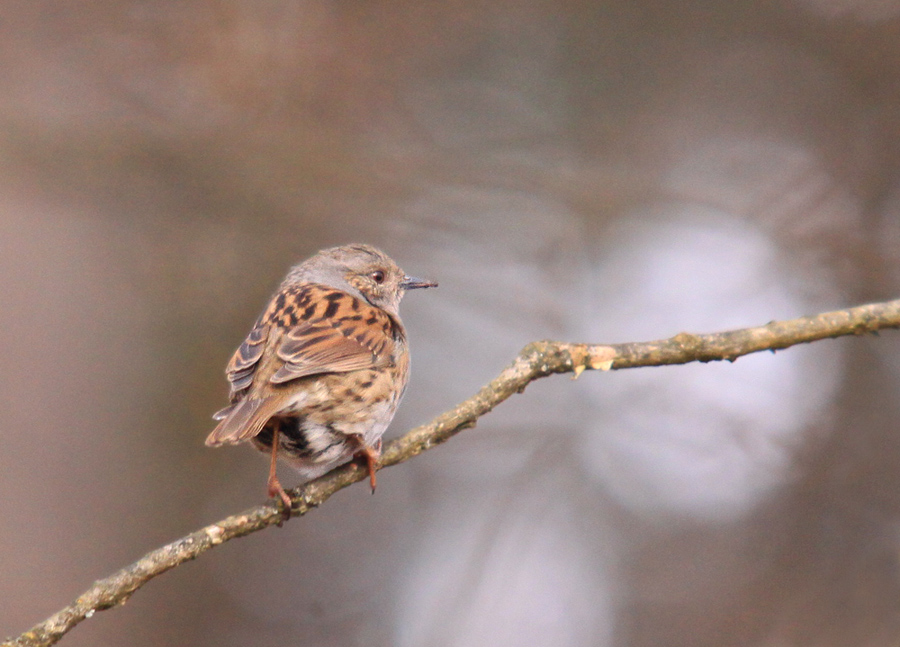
x=312, y=329
x=242, y=367
x=340, y=334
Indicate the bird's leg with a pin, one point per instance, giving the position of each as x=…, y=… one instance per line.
x=370, y=455
x=274, y=485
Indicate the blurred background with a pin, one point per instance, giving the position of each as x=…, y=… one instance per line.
x=588, y=171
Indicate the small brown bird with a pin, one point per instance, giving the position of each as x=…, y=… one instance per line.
x=319, y=377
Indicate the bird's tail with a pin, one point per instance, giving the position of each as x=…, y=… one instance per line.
x=243, y=420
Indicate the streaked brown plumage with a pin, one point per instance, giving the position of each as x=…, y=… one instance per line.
x=319, y=377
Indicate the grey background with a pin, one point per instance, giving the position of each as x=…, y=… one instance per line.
x=600, y=171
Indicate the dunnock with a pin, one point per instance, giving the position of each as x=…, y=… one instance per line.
x=319, y=378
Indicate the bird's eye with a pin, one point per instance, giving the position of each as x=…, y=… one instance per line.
x=377, y=276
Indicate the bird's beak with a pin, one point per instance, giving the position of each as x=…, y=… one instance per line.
x=412, y=283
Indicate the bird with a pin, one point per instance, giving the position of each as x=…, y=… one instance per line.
x=320, y=375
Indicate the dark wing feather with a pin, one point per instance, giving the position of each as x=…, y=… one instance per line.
x=243, y=363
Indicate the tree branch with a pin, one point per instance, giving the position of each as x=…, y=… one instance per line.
x=536, y=360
